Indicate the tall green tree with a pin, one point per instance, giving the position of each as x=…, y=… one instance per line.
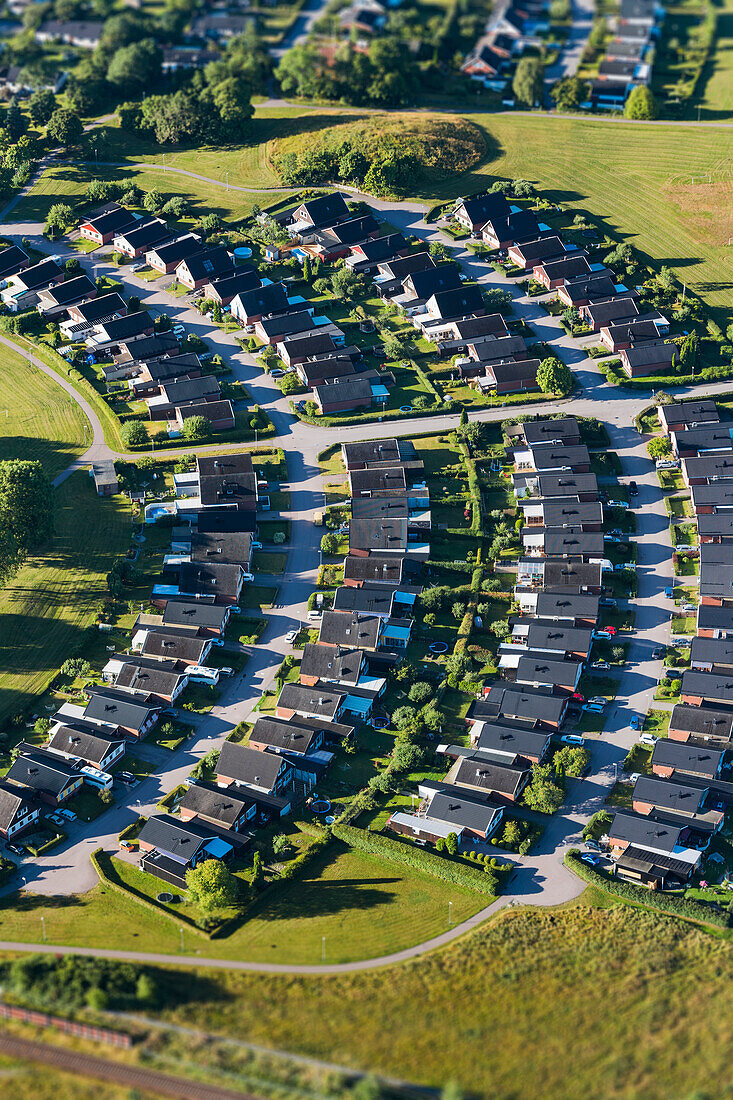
x=529, y=81
x=211, y=886
x=641, y=104
x=41, y=106
x=64, y=126
x=26, y=513
x=553, y=376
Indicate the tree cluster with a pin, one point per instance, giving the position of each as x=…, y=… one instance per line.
x=384, y=76
x=391, y=169
x=26, y=513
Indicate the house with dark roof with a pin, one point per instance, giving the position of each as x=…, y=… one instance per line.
x=703, y=726
x=316, y=372
x=143, y=236
x=528, y=254
x=55, y=300
x=539, y=705
x=559, y=607
x=473, y=213
x=347, y=393
x=220, y=414
x=680, y=415
x=598, y=286
x=364, y=258
x=181, y=391
x=189, y=649
x=318, y=700
x=227, y=480
x=135, y=714
x=210, y=805
x=649, y=359
x=49, y=776
x=481, y=772
x=449, y=305
x=295, y=350
x=354, y=630
x=520, y=225
x=22, y=289
x=677, y=759
x=110, y=334
x=511, y=376
x=628, y=334
x=250, y=306
x=699, y=688
x=19, y=809
x=614, y=310
x=209, y=619
x=104, y=227
x=512, y=740
x=332, y=665
x=447, y=809
x=163, y=345
x=169, y=847
x=165, y=258
x=421, y=285
x=250, y=770
x=95, y=749
x=320, y=213
x=152, y=375
x=224, y=288
x=196, y=270
x=12, y=260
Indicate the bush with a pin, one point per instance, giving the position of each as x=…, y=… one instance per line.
x=133, y=433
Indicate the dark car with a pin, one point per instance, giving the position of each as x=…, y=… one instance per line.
x=633, y=489
x=658, y=652
x=14, y=849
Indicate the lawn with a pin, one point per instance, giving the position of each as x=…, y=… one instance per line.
x=269, y=563
x=657, y=722
x=364, y=907
x=46, y=609
x=546, y=974
x=258, y=595
x=38, y=420
x=684, y=624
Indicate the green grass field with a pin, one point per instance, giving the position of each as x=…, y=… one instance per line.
x=38, y=420
x=566, y=1004
x=37, y=1082
x=45, y=610
x=363, y=907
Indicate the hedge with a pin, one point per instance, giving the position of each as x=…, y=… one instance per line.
x=418, y=859
x=648, y=899
x=47, y=844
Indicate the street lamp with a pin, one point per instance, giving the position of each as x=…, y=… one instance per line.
x=43, y=928
x=323, y=949
x=450, y=913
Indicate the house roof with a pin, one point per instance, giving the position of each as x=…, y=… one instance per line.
x=513, y=371
x=562, y=429
x=141, y=676
x=241, y=280
x=490, y=777
x=300, y=320
x=544, y=248
x=115, y=220
x=263, y=299
x=284, y=736
x=320, y=699
x=355, y=229
x=121, y=708
x=150, y=347
x=123, y=328
x=402, y=266
x=559, y=605
x=354, y=630
x=258, y=769
x=565, y=639
x=482, y=207
x=537, y=668
x=506, y=700
x=595, y=287
x=702, y=722
x=568, y=513
x=12, y=259
x=180, y=647
x=378, y=450
x=42, y=771
x=180, y=839
x=219, y=579
x=703, y=411
x=194, y=613
x=573, y=574
x=456, y=303
x=73, y=290
x=325, y=210
x=381, y=248
x=519, y=225
x=426, y=282
x=650, y=354
x=233, y=547
x=715, y=651
x=316, y=343
x=391, y=479
x=180, y=249
x=685, y=756
x=615, y=309
x=222, y=805
x=644, y=832
x=566, y=484
x=461, y=811
x=378, y=534
x=568, y=542
x=228, y=479
x=490, y=324
x=338, y=390
x=39, y=275
x=209, y=263
x=184, y=390
x=569, y=266
x=332, y=662
x=714, y=686
x=88, y=746
x=552, y=457
x=513, y=738
x=12, y=800
x=667, y=794
x=335, y=366
x=711, y=524
x=145, y=232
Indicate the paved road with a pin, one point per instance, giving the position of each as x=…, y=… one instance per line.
x=573, y=46
x=539, y=878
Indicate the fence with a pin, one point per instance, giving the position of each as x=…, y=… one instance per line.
x=70, y=1027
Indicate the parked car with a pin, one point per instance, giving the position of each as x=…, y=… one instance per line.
x=247, y=577
x=178, y=330
x=600, y=700
x=689, y=608
x=14, y=849
x=633, y=489
x=256, y=545
x=607, y=601
x=588, y=858
x=593, y=845
x=636, y=722
x=685, y=548
x=126, y=777
x=127, y=846
x=658, y=652
x=669, y=593
x=604, y=633
x=600, y=664
x=648, y=739
x=291, y=636
x=315, y=614
x=667, y=464
x=226, y=671
x=617, y=504
x=69, y=815
x=276, y=372
x=572, y=739
x=594, y=708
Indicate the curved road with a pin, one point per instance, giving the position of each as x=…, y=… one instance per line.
x=539, y=878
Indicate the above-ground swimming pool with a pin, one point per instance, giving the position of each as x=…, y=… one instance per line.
x=154, y=512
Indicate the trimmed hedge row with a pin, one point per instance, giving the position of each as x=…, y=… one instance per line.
x=481, y=882
x=649, y=899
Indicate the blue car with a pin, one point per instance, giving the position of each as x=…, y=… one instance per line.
x=588, y=858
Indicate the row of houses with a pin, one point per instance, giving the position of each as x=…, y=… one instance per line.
x=209, y=27
x=678, y=809
x=627, y=62
x=513, y=27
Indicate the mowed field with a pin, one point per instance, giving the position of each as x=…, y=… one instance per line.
x=362, y=906
x=716, y=84
x=37, y=418
x=564, y=1004
x=50, y=603
x=634, y=181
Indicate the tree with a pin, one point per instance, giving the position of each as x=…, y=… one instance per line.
x=420, y=692
x=432, y=598
x=659, y=447
x=329, y=543
x=500, y=628
x=458, y=610
x=346, y=284
x=211, y=886
x=554, y=377
x=689, y=352
x=569, y=93
x=258, y=871
x=146, y=990
x=571, y=760
x=451, y=843
x=512, y=834
x=15, y=122
x=97, y=999
x=136, y=67
x=403, y=717
x=41, y=106
x=26, y=513
x=280, y=844
x=64, y=127
x=395, y=346
x=542, y=793
x=153, y=200
x=641, y=104
x=177, y=207
x=307, y=273
x=529, y=81
x=60, y=217
x=133, y=433
x=195, y=428
x=432, y=718
x=290, y=384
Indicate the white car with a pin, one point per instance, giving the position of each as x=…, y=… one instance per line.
x=689, y=608
x=648, y=739
x=276, y=372
x=68, y=814
x=256, y=545
x=315, y=614
x=667, y=464
x=249, y=576
x=178, y=330
x=572, y=739
x=599, y=700
x=684, y=548
x=226, y=671
x=291, y=636
x=617, y=504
